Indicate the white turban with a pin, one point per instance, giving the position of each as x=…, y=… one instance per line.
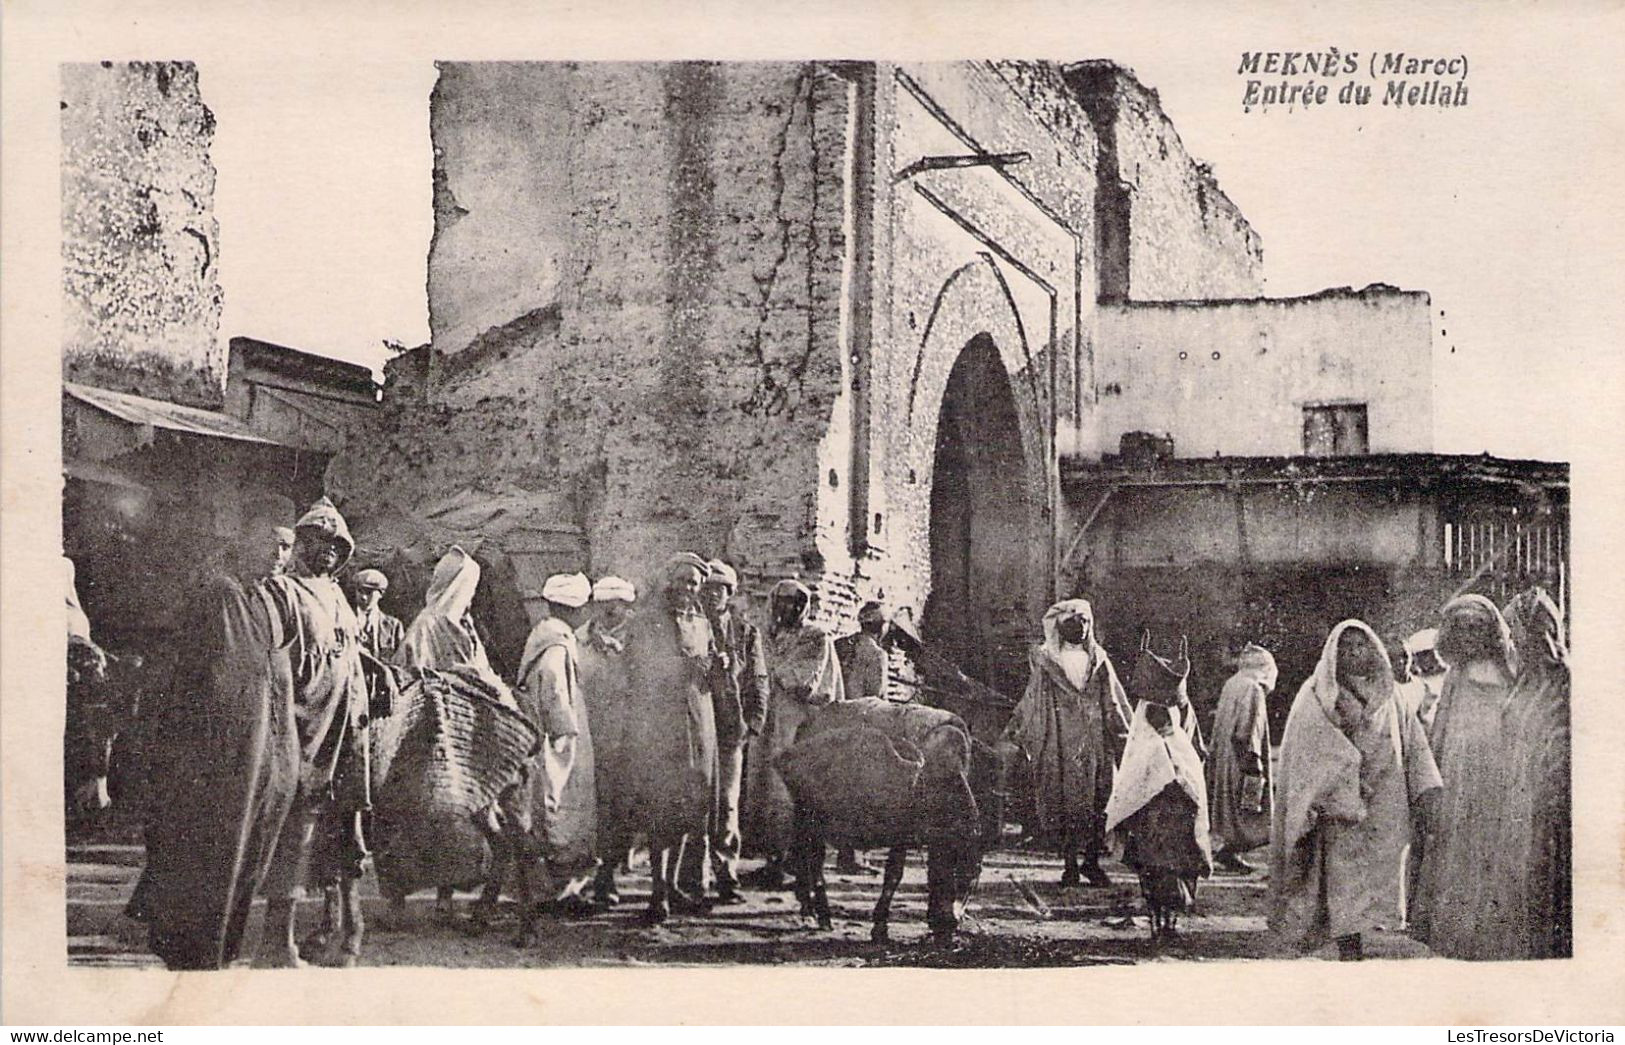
x=612, y=589
x=568, y=589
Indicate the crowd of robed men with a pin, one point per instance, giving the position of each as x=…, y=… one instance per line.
x=256, y=758
x=1379, y=811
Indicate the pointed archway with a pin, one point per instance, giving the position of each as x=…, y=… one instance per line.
x=982, y=529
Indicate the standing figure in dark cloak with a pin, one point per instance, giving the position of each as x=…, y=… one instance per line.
x=1239, y=785
x=1071, y=726
x=224, y=766
x=1538, y=833
x=667, y=724
x=1457, y=911
x=259, y=769
x=1159, y=795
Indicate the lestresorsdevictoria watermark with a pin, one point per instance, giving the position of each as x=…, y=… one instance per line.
x=1532, y=1036
x=1304, y=80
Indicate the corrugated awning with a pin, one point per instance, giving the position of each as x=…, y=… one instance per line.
x=173, y=417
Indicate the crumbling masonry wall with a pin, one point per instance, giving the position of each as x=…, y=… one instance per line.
x=978, y=255
x=717, y=306
x=1167, y=231
x=140, y=244
x=633, y=289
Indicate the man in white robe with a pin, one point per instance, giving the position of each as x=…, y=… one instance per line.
x=551, y=692
x=1355, y=768
x=442, y=636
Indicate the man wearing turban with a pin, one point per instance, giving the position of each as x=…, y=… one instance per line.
x=550, y=687
x=667, y=730
x=1071, y=725
x=601, y=643
x=442, y=637
x=804, y=674
x=739, y=706
x=1238, y=774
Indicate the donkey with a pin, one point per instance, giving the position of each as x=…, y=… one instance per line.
x=870, y=773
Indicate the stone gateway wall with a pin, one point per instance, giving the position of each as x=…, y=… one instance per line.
x=694, y=305
x=721, y=307
x=140, y=244
x=1167, y=231
x=634, y=288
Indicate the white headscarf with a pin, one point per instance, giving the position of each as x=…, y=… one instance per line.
x=1326, y=684
x=1316, y=754
x=1152, y=760
x=1076, y=662
x=437, y=638
x=451, y=590
x=1258, y=663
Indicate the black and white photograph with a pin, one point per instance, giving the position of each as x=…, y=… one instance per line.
x=1099, y=503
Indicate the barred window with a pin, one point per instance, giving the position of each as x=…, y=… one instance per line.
x=1335, y=430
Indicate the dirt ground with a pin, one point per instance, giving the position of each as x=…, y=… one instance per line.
x=1002, y=928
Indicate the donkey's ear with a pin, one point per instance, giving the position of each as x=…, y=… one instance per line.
x=1145, y=640
x=1184, y=647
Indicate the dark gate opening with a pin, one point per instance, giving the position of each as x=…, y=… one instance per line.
x=976, y=616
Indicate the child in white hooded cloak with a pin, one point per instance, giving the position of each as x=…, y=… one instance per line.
x=1158, y=804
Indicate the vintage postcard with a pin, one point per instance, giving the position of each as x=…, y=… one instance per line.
x=979, y=514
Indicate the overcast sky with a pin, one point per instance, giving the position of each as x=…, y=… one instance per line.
x=324, y=199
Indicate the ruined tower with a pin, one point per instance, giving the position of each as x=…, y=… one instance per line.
x=140, y=244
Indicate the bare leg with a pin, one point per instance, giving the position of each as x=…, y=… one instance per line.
x=689, y=863
x=277, y=947
x=896, y=859
x=527, y=900
x=445, y=903
x=354, y=926
x=659, y=899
